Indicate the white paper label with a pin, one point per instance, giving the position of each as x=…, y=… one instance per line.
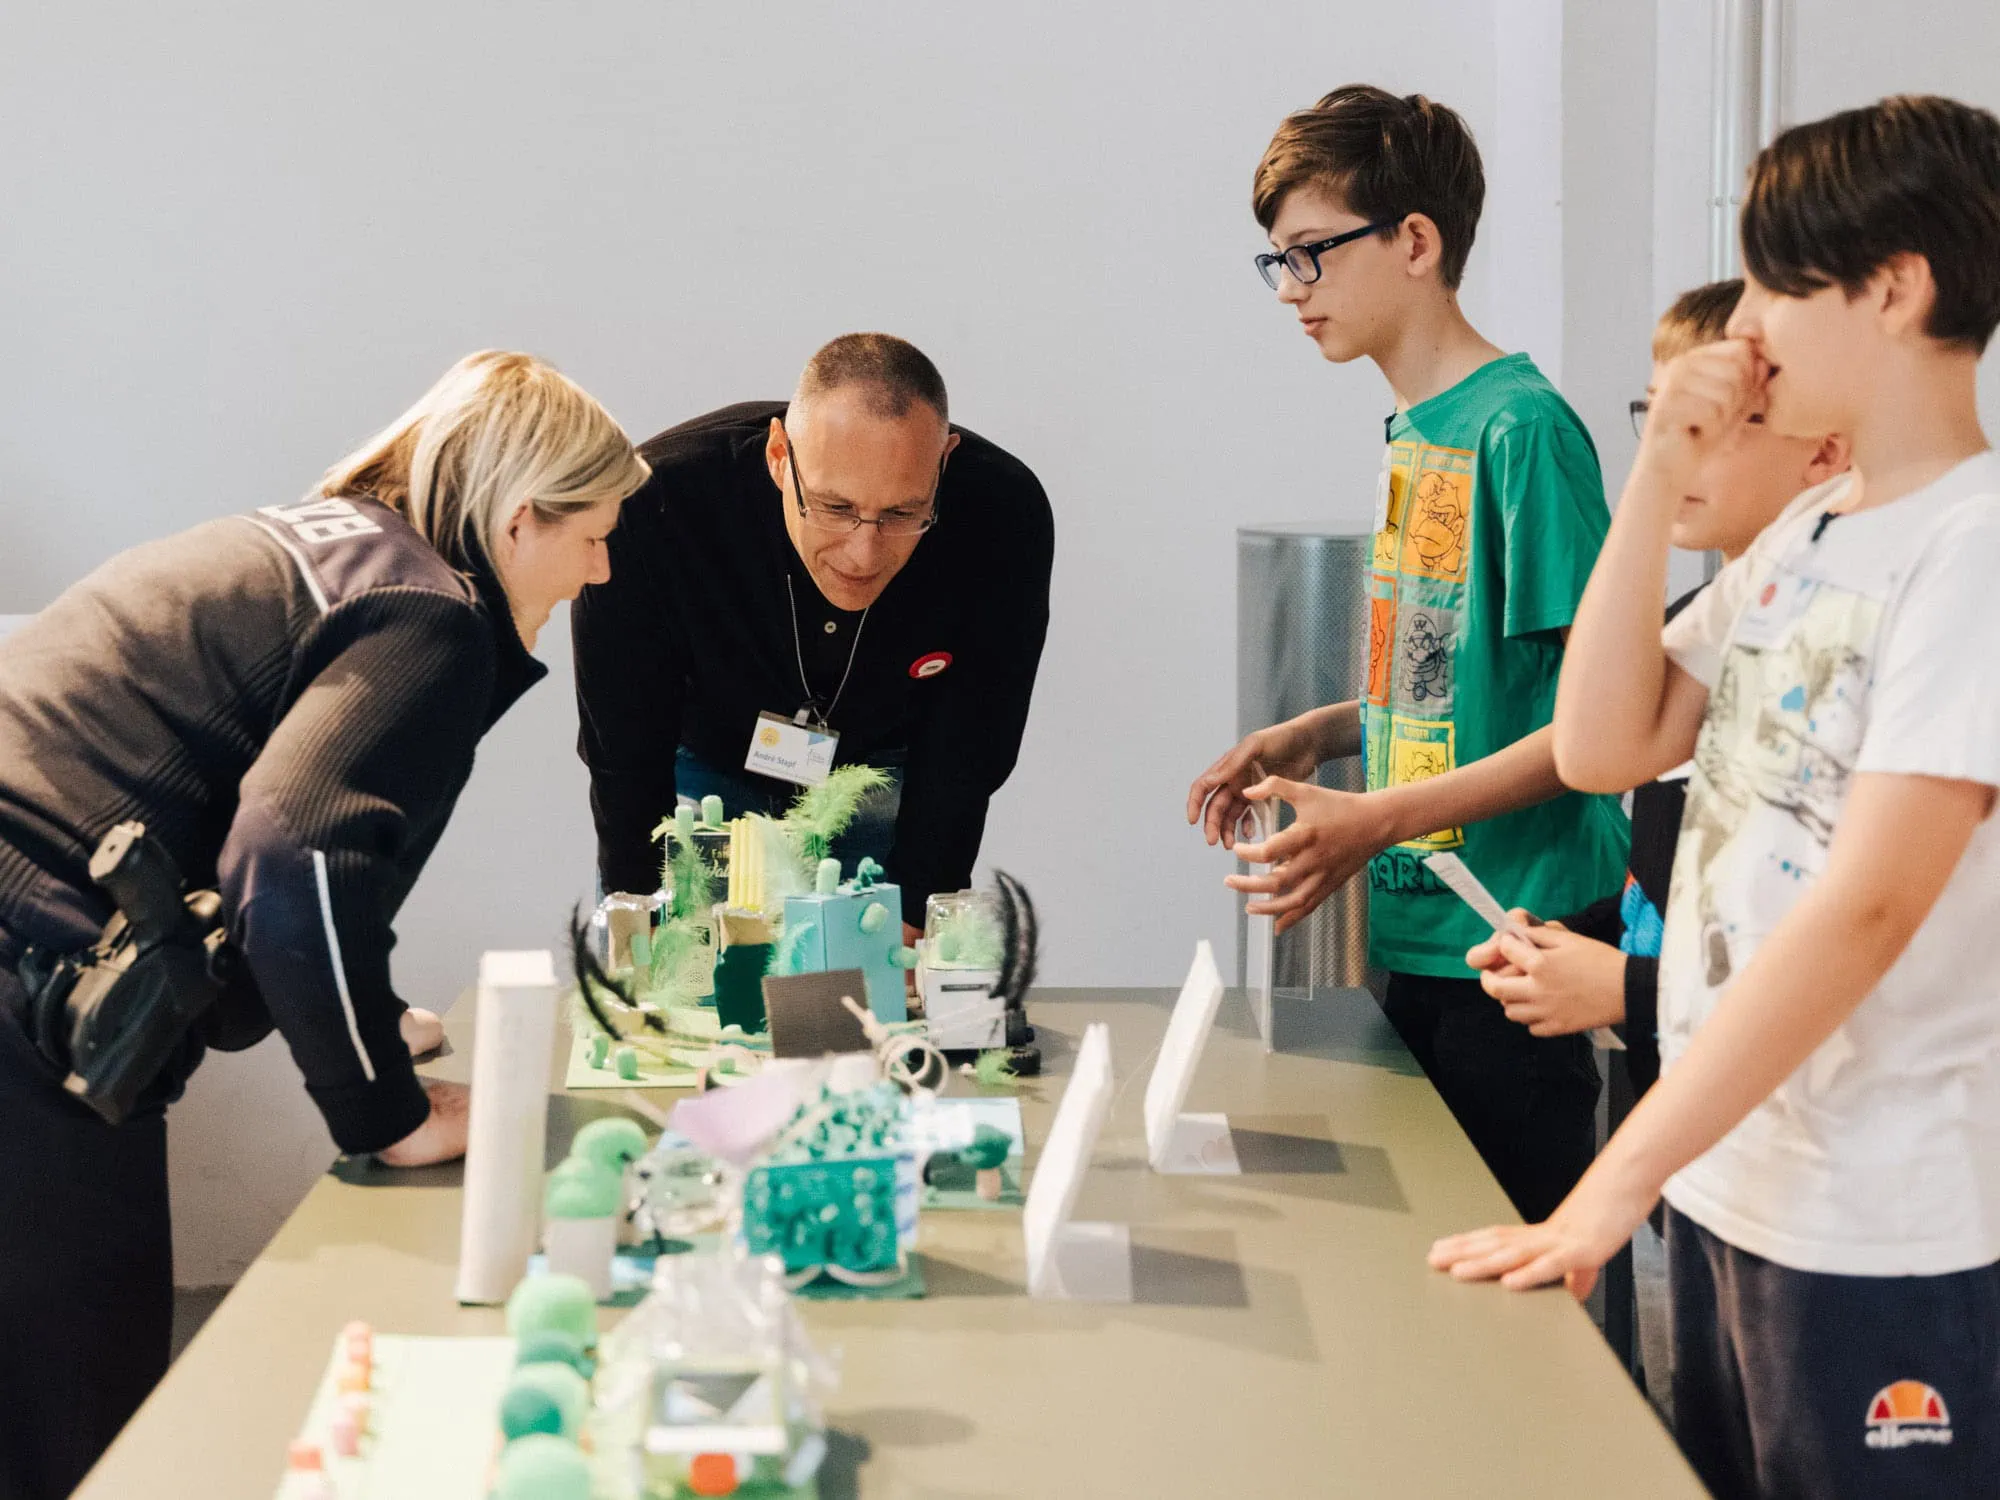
x=799, y=753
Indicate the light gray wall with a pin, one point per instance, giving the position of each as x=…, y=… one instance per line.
x=238, y=238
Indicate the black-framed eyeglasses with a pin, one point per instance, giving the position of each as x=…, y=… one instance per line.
x=843, y=517
x=1644, y=405
x=1303, y=260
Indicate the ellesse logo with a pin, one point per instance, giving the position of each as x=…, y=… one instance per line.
x=931, y=665
x=1905, y=1413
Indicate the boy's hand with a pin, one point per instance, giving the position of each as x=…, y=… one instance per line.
x=1335, y=834
x=1589, y=1227
x=1487, y=955
x=1216, y=799
x=1553, y=981
x=1703, y=396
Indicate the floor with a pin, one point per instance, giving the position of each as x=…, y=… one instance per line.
x=192, y=1305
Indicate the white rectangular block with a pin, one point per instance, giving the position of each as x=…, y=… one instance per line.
x=512, y=1051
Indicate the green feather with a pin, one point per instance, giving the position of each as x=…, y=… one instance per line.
x=822, y=813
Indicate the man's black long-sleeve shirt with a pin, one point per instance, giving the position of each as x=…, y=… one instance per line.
x=693, y=638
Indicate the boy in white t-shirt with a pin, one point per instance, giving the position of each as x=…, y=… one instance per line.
x=1827, y=1129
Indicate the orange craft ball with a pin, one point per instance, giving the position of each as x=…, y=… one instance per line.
x=713, y=1474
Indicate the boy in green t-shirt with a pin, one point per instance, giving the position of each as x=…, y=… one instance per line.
x=1489, y=511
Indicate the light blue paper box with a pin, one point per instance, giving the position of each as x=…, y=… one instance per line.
x=840, y=939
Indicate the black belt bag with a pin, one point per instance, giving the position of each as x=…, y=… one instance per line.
x=115, y=1017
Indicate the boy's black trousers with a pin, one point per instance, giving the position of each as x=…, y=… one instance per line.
x=1528, y=1103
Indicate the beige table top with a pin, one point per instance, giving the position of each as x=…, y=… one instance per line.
x=1286, y=1339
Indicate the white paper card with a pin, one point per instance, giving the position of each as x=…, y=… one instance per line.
x=1074, y=1260
x=1467, y=887
x=1167, y=1089
x=799, y=753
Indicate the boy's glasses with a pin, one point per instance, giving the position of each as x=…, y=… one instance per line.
x=1303, y=260
x=840, y=516
x=1641, y=407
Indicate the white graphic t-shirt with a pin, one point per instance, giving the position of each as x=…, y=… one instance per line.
x=1859, y=643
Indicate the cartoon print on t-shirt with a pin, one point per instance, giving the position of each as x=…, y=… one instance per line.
x=1427, y=658
x=1775, y=757
x=1440, y=516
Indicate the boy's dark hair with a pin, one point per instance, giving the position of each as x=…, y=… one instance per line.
x=893, y=373
x=1697, y=317
x=1385, y=158
x=1831, y=202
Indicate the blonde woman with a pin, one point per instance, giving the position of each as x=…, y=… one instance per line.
x=289, y=701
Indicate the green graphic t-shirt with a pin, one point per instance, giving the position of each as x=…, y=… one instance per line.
x=1488, y=518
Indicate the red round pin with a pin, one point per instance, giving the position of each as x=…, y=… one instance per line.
x=931, y=665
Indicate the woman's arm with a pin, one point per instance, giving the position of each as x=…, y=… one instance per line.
x=336, y=817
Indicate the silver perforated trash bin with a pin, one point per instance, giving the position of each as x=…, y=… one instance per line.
x=1302, y=642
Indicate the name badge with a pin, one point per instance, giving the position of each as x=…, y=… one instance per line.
x=790, y=751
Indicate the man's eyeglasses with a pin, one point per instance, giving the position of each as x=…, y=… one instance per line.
x=839, y=515
x=1303, y=260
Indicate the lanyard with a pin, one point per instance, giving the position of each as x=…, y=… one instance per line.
x=799, y=653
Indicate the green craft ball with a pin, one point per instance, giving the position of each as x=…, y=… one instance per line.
x=540, y=1467
x=990, y=1147
x=533, y=1390
x=529, y=1408
x=613, y=1143
x=594, y=1192
x=711, y=811
x=554, y=1303
x=874, y=917
x=627, y=1060
x=600, y=1049
x=553, y=1347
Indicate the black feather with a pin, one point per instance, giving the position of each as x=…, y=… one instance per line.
x=590, y=975
x=1020, y=940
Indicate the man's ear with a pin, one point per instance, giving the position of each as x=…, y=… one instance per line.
x=1423, y=246
x=776, y=451
x=950, y=443
x=1829, y=459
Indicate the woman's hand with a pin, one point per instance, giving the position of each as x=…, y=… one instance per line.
x=1589, y=1227
x=1553, y=981
x=423, y=1031
x=442, y=1135
x=1332, y=836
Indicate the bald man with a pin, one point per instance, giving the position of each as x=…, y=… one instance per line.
x=845, y=578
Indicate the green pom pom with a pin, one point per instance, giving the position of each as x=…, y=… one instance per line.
x=626, y=1059
x=600, y=1049
x=553, y=1303
x=525, y=1409
x=613, y=1143
x=903, y=957
x=588, y=1191
x=553, y=1347
x=990, y=1147
x=540, y=1467
x=684, y=817
x=874, y=917
x=536, y=1391
x=826, y=880
x=711, y=811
